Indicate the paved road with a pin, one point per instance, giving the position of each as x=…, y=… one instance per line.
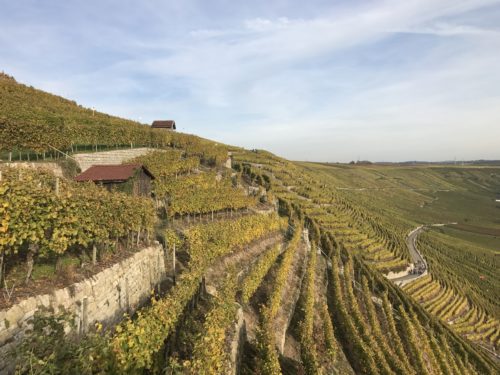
x=411, y=242
x=417, y=258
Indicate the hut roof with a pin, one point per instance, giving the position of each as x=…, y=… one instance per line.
x=111, y=173
x=163, y=124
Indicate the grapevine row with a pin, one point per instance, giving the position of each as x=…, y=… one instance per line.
x=306, y=326
x=138, y=340
x=269, y=364
x=210, y=354
x=51, y=220
x=258, y=272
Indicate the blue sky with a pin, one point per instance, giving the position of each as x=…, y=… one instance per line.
x=309, y=80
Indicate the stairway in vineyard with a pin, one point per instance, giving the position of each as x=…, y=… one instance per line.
x=86, y=160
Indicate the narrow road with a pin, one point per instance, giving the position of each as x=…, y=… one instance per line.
x=418, y=259
x=420, y=268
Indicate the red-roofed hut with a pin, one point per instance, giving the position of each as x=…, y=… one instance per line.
x=134, y=179
x=164, y=124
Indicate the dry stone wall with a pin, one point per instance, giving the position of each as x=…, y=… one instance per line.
x=104, y=298
x=86, y=160
x=39, y=166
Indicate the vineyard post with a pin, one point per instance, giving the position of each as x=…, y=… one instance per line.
x=32, y=249
x=1, y=267
x=173, y=261
x=94, y=254
x=57, y=186
x=10, y=156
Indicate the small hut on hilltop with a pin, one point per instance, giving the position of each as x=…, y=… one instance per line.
x=164, y=124
x=133, y=179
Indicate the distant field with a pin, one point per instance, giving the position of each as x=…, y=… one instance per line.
x=479, y=230
x=470, y=259
x=463, y=258
x=424, y=194
x=487, y=241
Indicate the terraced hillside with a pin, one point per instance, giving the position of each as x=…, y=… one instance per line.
x=276, y=267
x=462, y=257
x=35, y=124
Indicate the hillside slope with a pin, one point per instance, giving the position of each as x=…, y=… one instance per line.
x=32, y=120
x=272, y=241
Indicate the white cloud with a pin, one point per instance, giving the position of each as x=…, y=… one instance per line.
x=447, y=29
x=263, y=24
x=352, y=76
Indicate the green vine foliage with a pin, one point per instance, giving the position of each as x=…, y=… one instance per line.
x=211, y=354
x=268, y=362
x=136, y=341
x=268, y=359
x=76, y=215
x=49, y=350
x=258, y=272
x=283, y=272
x=306, y=325
x=197, y=193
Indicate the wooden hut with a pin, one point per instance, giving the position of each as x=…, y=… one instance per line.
x=133, y=179
x=164, y=124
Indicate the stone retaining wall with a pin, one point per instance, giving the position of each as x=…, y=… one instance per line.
x=40, y=166
x=238, y=338
x=86, y=160
x=104, y=298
